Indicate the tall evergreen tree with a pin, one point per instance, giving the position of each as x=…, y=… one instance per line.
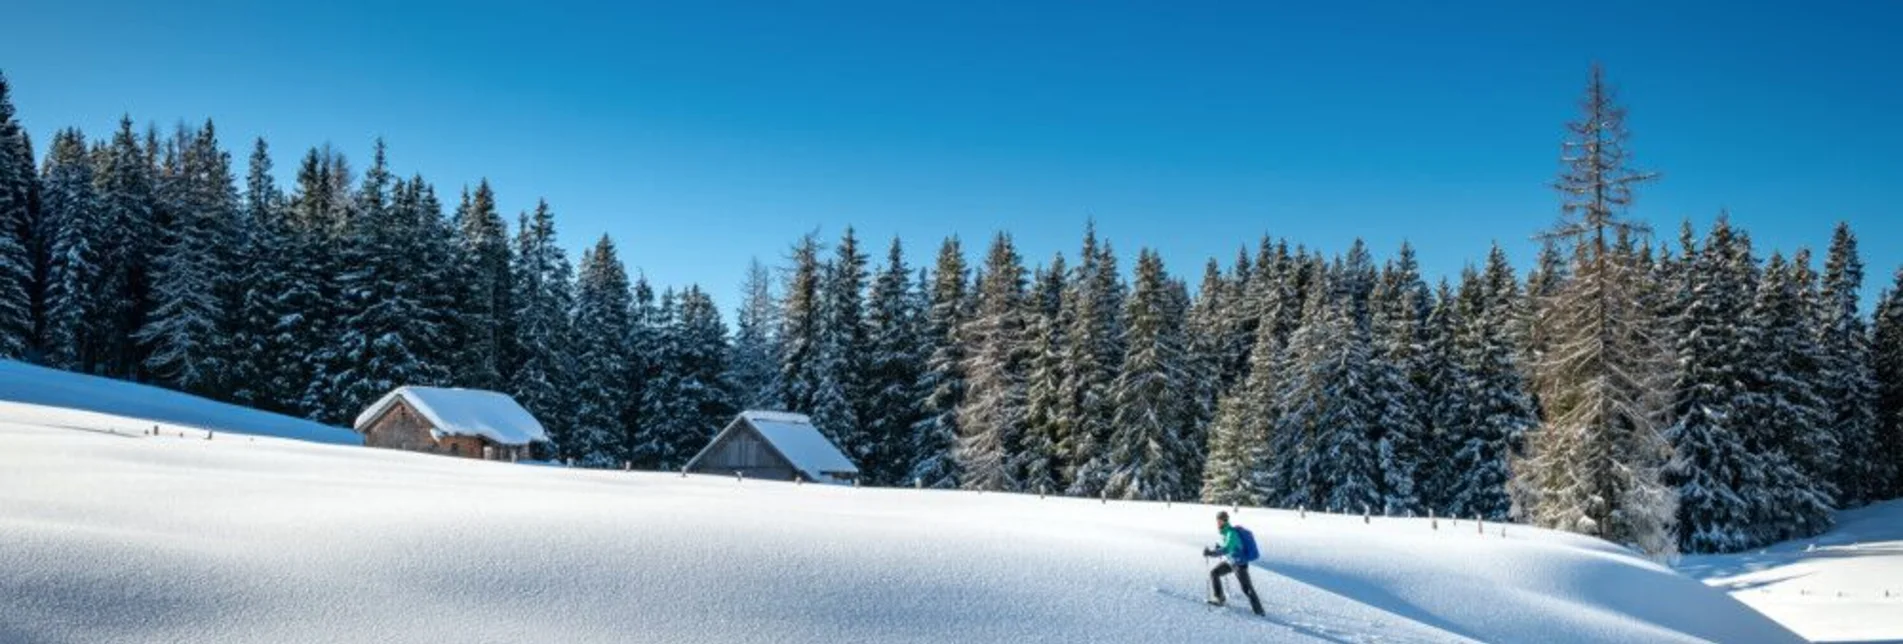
x=185, y=335
x=602, y=373
x=1495, y=409
x=541, y=377
x=1593, y=462
x=1785, y=426
x=801, y=326
x=943, y=386
x=1849, y=390
x=72, y=333
x=1887, y=367
x=992, y=416
x=895, y=359
x=839, y=403
x=18, y=221
x=756, y=349
x=1093, y=355
x=483, y=273
x=1153, y=402
x=1037, y=463
x=1717, y=477
x=1398, y=320
x=123, y=181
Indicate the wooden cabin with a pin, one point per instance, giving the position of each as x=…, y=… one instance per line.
x=470, y=423
x=777, y=446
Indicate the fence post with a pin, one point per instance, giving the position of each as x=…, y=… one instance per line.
x=1432, y=521
x=918, y=482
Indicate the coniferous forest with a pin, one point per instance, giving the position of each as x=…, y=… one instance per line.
x=1672, y=392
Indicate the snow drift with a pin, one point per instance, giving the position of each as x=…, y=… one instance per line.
x=119, y=538
x=141, y=406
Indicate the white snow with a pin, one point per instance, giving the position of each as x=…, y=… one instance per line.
x=1845, y=585
x=801, y=443
x=133, y=538
x=141, y=406
x=464, y=412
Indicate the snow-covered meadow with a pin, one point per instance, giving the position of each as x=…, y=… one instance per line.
x=1843, y=586
x=122, y=537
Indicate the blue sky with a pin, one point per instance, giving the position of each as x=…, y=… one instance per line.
x=699, y=134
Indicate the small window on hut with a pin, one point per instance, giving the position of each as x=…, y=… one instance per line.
x=455, y=448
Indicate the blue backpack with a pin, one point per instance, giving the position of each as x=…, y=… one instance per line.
x=1249, y=552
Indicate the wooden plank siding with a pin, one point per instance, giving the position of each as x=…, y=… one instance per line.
x=400, y=427
x=745, y=452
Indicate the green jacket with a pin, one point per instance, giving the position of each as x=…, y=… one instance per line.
x=1231, y=544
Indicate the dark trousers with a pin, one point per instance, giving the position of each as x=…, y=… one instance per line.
x=1242, y=576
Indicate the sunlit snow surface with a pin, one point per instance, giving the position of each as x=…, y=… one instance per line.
x=111, y=535
x=1843, y=586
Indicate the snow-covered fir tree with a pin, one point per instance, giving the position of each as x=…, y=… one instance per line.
x=838, y=404
x=942, y=386
x=71, y=334
x=991, y=418
x=1785, y=423
x=1152, y=399
x=686, y=401
x=123, y=180
x=801, y=327
x=543, y=293
x=601, y=358
x=1487, y=409
x=895, y=360
x=1886, y=358
x=17, y=223
x=1445, y=394
x=184, y=336
x=650, y=348
x=1093, y=354
x=1717, y=477
x=1398, y=321
x=1593, y=463
x=483, y=274
x=755, y=361
x=1038, y=465
x=1849, y=389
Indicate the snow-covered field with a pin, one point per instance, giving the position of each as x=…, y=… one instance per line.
x=141, y=405
x=1843, y=586
x=127, y=537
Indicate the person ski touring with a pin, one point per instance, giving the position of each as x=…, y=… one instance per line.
x=1237, y=550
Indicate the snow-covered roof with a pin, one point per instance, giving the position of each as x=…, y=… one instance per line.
x=796, y=439
x=464, y=412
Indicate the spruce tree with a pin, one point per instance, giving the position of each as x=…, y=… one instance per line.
x=1887, y=366
x=123, y=181
x=602, y=374
x=936, y=434
x=1038, y=465
x=541, y=376
x=1785, y=426
x=1718, y=478
x=72, y=333
x=1849, y=390
x=1398, y=320
x=992, y=416
x=1491, y=412
x=756, y=350
x=895, y=360
x=184, y=336
x=801, y=327
x=1154, y=405
x=1093, y=355
x=483, y=274
x=839, y=402
x=1593, y=463
x=17, y=223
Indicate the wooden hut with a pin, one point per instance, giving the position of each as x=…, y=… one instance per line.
x=471, y=423
x=777, y=446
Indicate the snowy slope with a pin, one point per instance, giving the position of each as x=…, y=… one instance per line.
x=144, y=405
x=1843, y=586
x=122, y=538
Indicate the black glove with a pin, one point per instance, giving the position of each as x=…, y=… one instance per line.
x=1211, y=552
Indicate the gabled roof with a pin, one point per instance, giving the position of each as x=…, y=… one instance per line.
x=796, y=439
x=464, y=412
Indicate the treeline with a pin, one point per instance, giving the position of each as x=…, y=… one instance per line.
x=1698, y=395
